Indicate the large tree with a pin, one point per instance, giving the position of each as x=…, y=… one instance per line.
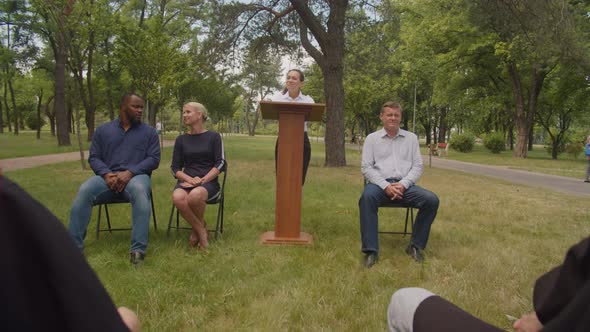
x=531, y=37
x=318, y=26
x=52, y=26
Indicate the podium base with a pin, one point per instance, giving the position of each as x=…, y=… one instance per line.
x=269, y=238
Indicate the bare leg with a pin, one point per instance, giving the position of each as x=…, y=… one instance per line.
x=197, y=201
x=181, y=200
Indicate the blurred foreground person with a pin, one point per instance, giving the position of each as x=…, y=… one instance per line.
x=46, y=284
x=561, y=299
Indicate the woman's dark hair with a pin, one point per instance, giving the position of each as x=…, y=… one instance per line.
x=301, y=77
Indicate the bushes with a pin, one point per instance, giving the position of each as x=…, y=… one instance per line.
x=32, y=123
x=494, y=142
x=574, y=149
x=462, y=142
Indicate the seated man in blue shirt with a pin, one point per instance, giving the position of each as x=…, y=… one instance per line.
x=392, y=164
x=123, y=154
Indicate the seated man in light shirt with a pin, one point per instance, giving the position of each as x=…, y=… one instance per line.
x=392, y=164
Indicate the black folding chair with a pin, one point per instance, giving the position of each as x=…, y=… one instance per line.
x=409, y=216
x=219, y=200
x=106, y=210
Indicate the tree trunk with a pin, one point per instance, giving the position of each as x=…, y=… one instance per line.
x=50, y=115
x=1, y=119
x=70, y=112
x=8, y=119
x=59, y=104
x=14, y=109
x=90, y=110
x=79, y=136
x=110, y=106
x=511, y=137
x=331, y=62
x=152, y=112
x=247, y=118
x=522, y=130
x=61, y=54
x=525, y=115
x=334, y=138
x=531, y=138
x=442, y=128
x=39, y=105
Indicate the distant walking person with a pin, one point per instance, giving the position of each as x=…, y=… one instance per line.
x=292, y=94
x=123, y=154
x=587, y=152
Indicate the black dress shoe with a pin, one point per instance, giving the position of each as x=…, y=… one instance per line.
x=415, y=253
x=370, y=259
x=136, y=258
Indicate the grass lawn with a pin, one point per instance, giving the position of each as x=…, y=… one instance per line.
x=537, y=160
x=490, y=241
x=26, y=144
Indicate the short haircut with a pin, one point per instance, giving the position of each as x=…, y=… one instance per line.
x=392, y=104
x=199, y=107
x=126, y=97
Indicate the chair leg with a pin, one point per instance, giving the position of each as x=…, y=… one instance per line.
x=170, y=220
x=98, y=221
x=106, y=210
x=153, y=211
x=406, y=225
x=219, y=218
x=412, y=219
x=222, y=214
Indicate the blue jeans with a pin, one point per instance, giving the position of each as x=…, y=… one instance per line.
x=95, y=191
x=417, y=197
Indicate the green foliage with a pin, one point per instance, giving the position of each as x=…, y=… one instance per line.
x=574, y=149
x=560, y=146
x=494, y=142
x=462, y=142
x=32, y=123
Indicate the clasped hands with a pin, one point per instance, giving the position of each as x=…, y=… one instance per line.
x=117, y=181
x=192, y=182
x=395, y=191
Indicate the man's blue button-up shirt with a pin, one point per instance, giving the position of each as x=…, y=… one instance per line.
x=114, y=150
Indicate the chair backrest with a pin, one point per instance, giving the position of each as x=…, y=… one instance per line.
x=222, y=173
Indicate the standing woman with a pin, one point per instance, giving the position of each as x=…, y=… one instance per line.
x=292, y=93
x=587, y=153
x=197, y=159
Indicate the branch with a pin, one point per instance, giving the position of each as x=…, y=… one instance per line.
x=311, y=22
x=311, y=50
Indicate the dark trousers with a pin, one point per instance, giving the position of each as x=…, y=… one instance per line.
x=306, y=155
x=417, y=197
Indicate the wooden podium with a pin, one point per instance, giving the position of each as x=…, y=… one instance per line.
x=291, y=117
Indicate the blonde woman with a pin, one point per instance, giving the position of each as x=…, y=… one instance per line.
x=197, y=159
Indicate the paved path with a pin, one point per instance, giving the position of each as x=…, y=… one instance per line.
x=552, y=182
x=28, y=162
